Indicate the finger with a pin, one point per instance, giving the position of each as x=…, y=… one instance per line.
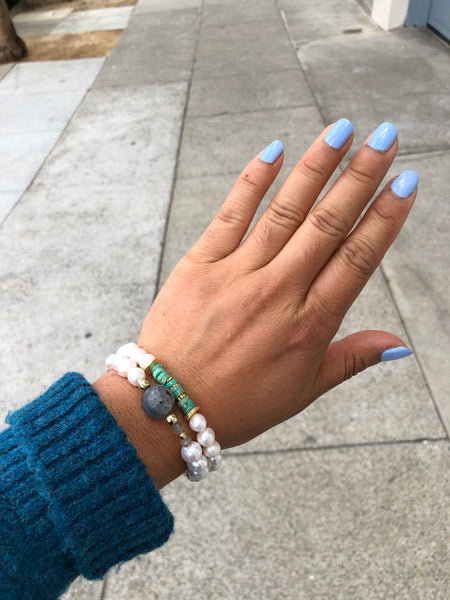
x=290, y=206
x=226, y=231
x=345, y=275
x=335, y=215
x=353, y=354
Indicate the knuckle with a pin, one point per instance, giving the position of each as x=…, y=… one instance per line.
x=231, y=217
x=354, y=363
x=311, y=169
x=385, y=217
x=328, y=222
x=359, y=256
x=360, y=175
x=283, y=213
x=248, y=180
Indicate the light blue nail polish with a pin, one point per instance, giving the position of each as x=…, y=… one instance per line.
x=405, y=184
x=395, y=353
x=339, y=133
x=272, y=152
x=383, y=137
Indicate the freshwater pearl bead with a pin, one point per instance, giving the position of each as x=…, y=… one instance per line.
x=206, y=437
x=116, y=361
x=126, y=349
x=136, y=354
x=196, y=476
x=123, y=367
x=198, y=465
x=109, y=362
x=197, y=422
x=145, y=360
x=192, y=452
x=213, y=450
x=214, y=462
x=134, y=374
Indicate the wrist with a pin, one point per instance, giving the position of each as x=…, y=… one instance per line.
x=155, y=444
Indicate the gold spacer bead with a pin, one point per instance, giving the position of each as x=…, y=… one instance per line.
x=171, y=419
x=144, y=384
x=181, y=396
x=151, y=365
x=192, y=412
x=183, y=435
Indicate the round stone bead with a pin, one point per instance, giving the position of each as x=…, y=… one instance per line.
x=214, y=462
x=212, y=450
x=187, y=441
x=198, y=465
x=177, y=428
x=198, y=476
x=126, y=349
x=192, y=452
x=135, y=374
x=206, y=437
x=157, y=402
x=123, y=367
x=197, y=422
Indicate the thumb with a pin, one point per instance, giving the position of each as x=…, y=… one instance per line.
x=354, y=353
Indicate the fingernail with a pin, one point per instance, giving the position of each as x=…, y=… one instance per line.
x=272, y=152
x=395, y=353
x=405, y=184
x=339, y=133
x=383, y=137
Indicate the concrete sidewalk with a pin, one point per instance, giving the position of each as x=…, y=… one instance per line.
x=350, y=499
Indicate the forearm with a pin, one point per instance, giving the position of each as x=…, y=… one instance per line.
x=156, y=445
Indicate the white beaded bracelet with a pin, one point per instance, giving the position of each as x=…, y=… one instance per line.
x=158, y=401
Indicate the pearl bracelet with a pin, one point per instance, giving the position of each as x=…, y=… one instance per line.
x=158, y=401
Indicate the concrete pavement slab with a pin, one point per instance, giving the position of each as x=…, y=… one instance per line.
x=418, y=268
x=121, y=138
x=164, y=5
x=250, y=92
x=95, y=20
x=7, y=202
x=37, y=112
x=83, y=589
x=34, y=28
x=338, y=523
x=23, y=155
x=243, y=59
x=207, y=142
x=42, y=15
x=57, y=76
x=146, y=52
x=234, y=11
x=390, y=77
x=309, y=21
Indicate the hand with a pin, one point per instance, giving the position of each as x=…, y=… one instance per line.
x=246, y=327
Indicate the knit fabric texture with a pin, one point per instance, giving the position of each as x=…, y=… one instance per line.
x=74, y=496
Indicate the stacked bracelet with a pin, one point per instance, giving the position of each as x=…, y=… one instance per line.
x=158, y=402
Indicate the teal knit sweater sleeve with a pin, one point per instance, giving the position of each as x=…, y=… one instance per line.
x=74, y=496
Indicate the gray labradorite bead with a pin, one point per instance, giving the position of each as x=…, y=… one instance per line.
x=157, y=402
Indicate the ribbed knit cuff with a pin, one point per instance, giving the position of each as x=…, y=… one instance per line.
x=103, y=505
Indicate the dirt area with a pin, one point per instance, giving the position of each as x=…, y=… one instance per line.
x=68, y=46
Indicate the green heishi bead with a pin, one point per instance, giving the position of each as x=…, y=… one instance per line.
x=157, y=370
x=177, y=390
x=186, y=405
x=162, y=377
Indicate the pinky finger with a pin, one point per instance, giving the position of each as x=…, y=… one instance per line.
x=347, y=272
